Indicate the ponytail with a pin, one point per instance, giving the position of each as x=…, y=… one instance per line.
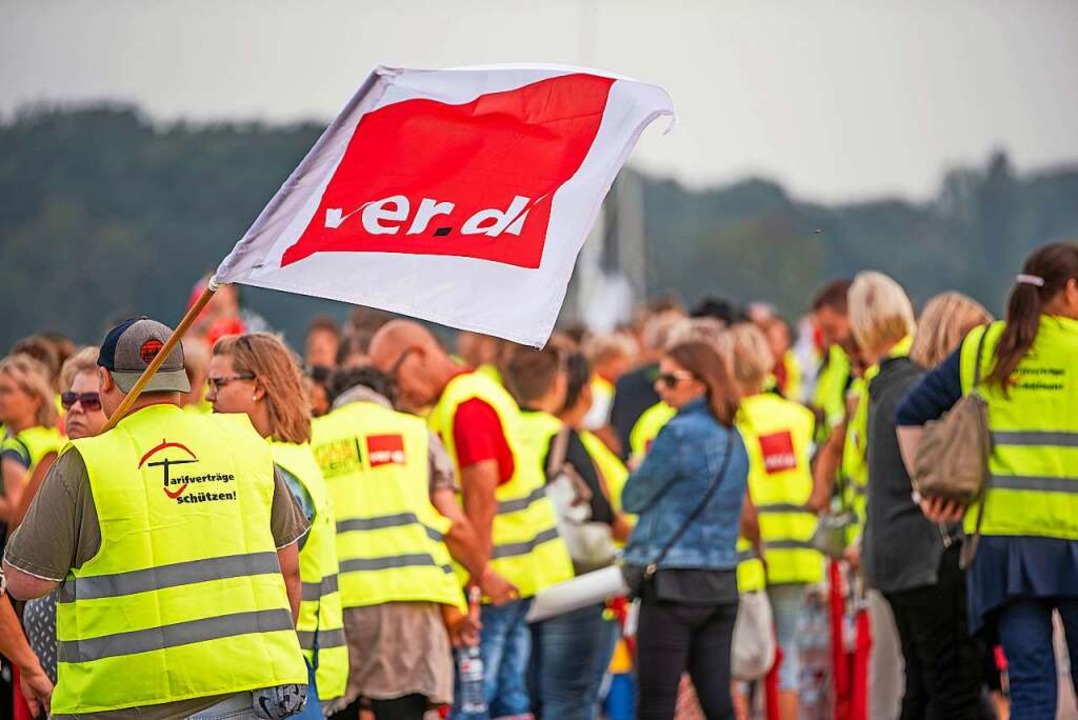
x=1044, y=275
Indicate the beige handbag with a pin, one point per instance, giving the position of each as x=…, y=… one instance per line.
x=952, y=458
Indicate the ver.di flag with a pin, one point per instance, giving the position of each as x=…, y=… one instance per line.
x=458, y=196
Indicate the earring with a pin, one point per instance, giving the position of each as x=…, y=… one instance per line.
x=254, y=398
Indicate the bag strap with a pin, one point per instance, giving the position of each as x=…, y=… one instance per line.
x=969, y=548
x=653, y=566
x=559, y=451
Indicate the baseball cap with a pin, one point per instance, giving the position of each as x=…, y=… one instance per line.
x=131, y=346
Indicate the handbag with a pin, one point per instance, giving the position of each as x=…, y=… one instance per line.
x=590, y=543
x=754, y=646
x=952, y=459
x=637, y=577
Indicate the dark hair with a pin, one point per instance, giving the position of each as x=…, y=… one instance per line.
x=578, y=374
x=347, y=378
x=833, y=295
x=1055, y=264
x=324, y=322
x=720, y=309
x=701, y=359
x=530, y=373
x=353, y=342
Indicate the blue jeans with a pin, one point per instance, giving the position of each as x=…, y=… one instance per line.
x=1025, y=631
x=787, y=605
x=565, y=651
x=505, y=647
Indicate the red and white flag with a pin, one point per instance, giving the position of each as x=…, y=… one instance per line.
x=458, y=196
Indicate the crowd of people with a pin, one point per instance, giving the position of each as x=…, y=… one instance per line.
x=361, y=529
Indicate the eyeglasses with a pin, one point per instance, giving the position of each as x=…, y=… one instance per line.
x=671, y=380
x=90, y=401
x=219, y=382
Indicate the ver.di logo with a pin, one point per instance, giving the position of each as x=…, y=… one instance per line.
x=166, y=462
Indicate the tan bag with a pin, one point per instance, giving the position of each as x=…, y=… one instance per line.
x=952, y=459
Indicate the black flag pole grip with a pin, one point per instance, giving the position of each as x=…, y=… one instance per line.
x=185, y=324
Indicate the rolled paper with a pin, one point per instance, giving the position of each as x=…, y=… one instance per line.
x=588, y=589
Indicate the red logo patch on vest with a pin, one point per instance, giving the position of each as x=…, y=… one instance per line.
x=385, y=450
x=778, y=451
x=149, y=350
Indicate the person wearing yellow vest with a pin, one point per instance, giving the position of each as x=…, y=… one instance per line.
x=29, y=415
x=398, y=526
x=176, y=545
x=565, y=648
x=503, y=494
x=778, y=436
x=1027, y=558
x=612, y=478
x=482, y=352
x=257, y=375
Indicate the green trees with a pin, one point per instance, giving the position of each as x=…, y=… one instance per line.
x=104, y=215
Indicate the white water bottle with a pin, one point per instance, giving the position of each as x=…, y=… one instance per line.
x=472, y=699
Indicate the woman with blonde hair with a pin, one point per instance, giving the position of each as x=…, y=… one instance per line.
x=912, y=562
x=1026, y=565
x=28, y=413
x=778, y=436
x=257, y=374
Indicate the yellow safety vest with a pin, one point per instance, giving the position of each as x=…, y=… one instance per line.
x=647, y=428
x=793, y=386
x=750, y=570
x=389, y=536
x=855, y=451
x=492, y=372
x=185, y=598
x=1033, y=468
x=778, y=437
x=829, y=395
x=34, y=443
x=321, y=622
x=528, y=551
x=612, y=470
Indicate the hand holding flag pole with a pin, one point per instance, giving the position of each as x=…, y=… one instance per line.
x=177, y=335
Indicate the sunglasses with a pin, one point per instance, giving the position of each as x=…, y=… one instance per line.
x=671, y=380
x=219, y=382
x=394, y=369
x=90, y=401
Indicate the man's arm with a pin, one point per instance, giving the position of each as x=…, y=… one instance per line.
x=461, y=538
x=35, y=684
x=479, y=482
x=24, y=586
x=825, y=468
x=288, y=557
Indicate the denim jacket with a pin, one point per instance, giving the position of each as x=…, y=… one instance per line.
x=673, y=479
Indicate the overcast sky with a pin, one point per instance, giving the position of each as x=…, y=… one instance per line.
x=838, y=100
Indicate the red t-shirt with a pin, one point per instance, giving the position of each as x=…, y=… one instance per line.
x=478, y=435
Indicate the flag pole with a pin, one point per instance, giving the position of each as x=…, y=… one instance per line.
x=170, y=344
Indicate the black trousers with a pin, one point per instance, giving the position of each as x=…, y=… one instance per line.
x=944, y=676
x=409, y=707
x=674, y=637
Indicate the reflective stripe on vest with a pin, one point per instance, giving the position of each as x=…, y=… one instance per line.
x=135, y=642
x=376, y=464
x=525, y=551
x=778, y=436
x=1033, y=466
x=182, y=593
x=167, y=576
x=320, y=602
